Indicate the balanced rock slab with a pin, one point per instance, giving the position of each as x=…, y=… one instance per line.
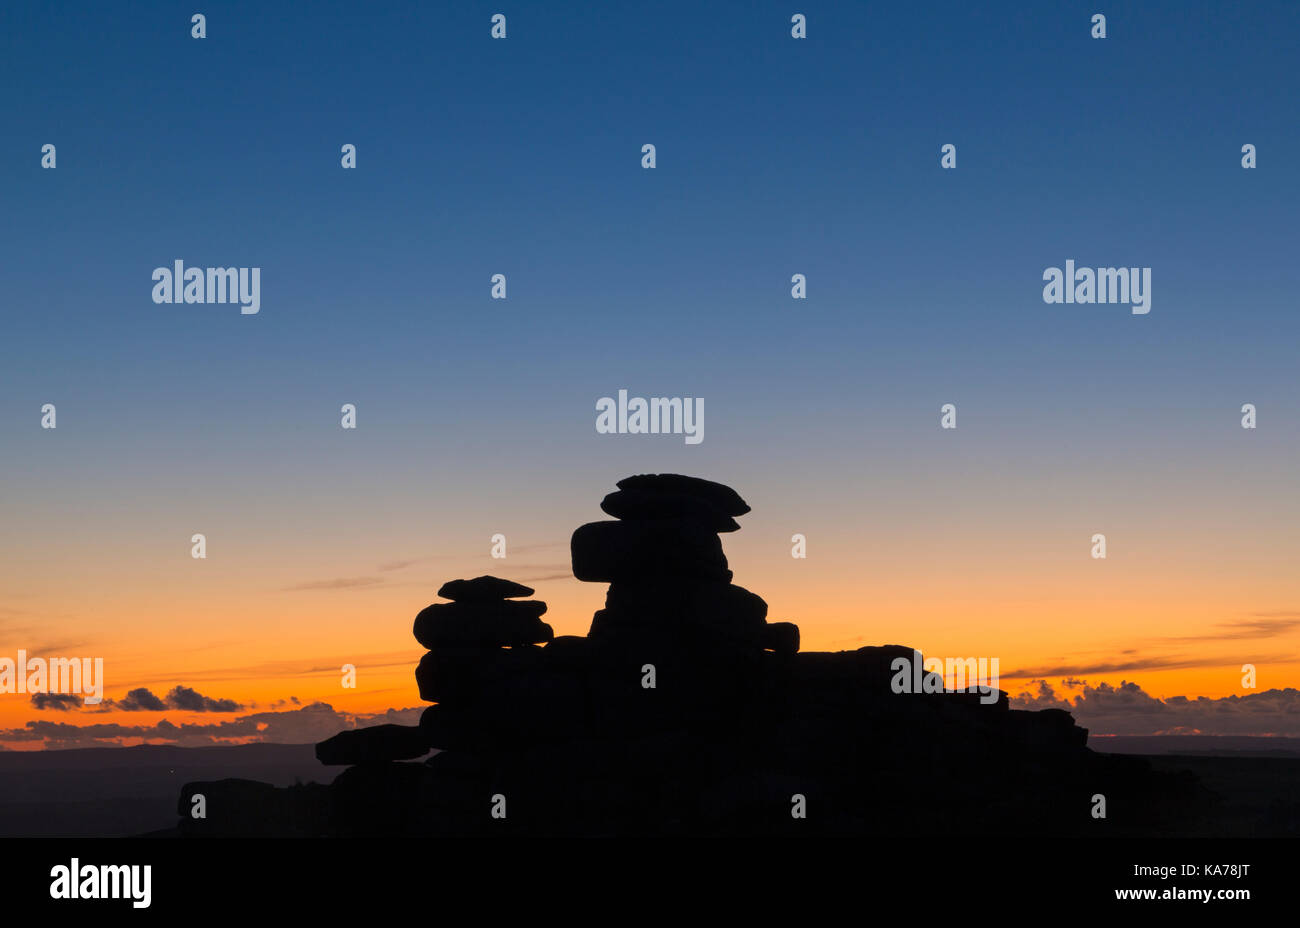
x=664, y=549
x=781, y=637
x=374, y=745
x=720, y=495
x=483, y=589
x=726, y=605
x=461, y=675
x=501, y=624
x=655, y=504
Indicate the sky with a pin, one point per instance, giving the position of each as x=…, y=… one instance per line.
x=775, y=156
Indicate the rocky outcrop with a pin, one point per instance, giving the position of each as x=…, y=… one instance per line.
x=684, y=710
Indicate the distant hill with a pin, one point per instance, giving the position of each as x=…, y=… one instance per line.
x=108, y=792
x=1212, y=745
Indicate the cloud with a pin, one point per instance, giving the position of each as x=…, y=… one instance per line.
x=1175, y=662
x=305, y=725
x=540, y=572
x=63, y=702
x=143, y=699
x=55, y=648
x=1042, y=698
x=139, y=700
x=1127, y=709
x=338, y=583
x=305, y=666
x=1263, y=625
x=182, y=697
x=403, y=563
x=390, y=566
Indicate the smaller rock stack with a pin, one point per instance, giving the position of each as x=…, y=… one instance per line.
x=466, y=638
x=483, y=653
x=483, y=648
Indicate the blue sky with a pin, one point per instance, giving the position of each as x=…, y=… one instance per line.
x=522, y=156
x=774, y=157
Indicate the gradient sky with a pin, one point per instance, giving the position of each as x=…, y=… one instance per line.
x=522, y=157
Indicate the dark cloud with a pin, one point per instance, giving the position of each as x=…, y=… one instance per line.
x=139, y=700
x=182, y=697
x=1127, y=709
x=306, y=725
x=1176, y=662
x=1043, y=697
x=63, y=702
x=142, y=699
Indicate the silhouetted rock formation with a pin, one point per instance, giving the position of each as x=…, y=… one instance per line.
x=375, y=745
x=683, y=710
x=479, y=621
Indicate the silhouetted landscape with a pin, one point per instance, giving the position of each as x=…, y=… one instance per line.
x=123, y=791
x=434, y=431
x=685, y=711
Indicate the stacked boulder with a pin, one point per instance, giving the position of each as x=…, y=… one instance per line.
x=484, y=646
x=483, y=613
x=672, y=610
x=484, y=617
x=668, y=575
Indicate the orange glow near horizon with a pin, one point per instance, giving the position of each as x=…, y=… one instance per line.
x=263, y=636
x=292, y=591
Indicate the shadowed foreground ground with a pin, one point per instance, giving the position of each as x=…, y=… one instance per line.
x=117, y=792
